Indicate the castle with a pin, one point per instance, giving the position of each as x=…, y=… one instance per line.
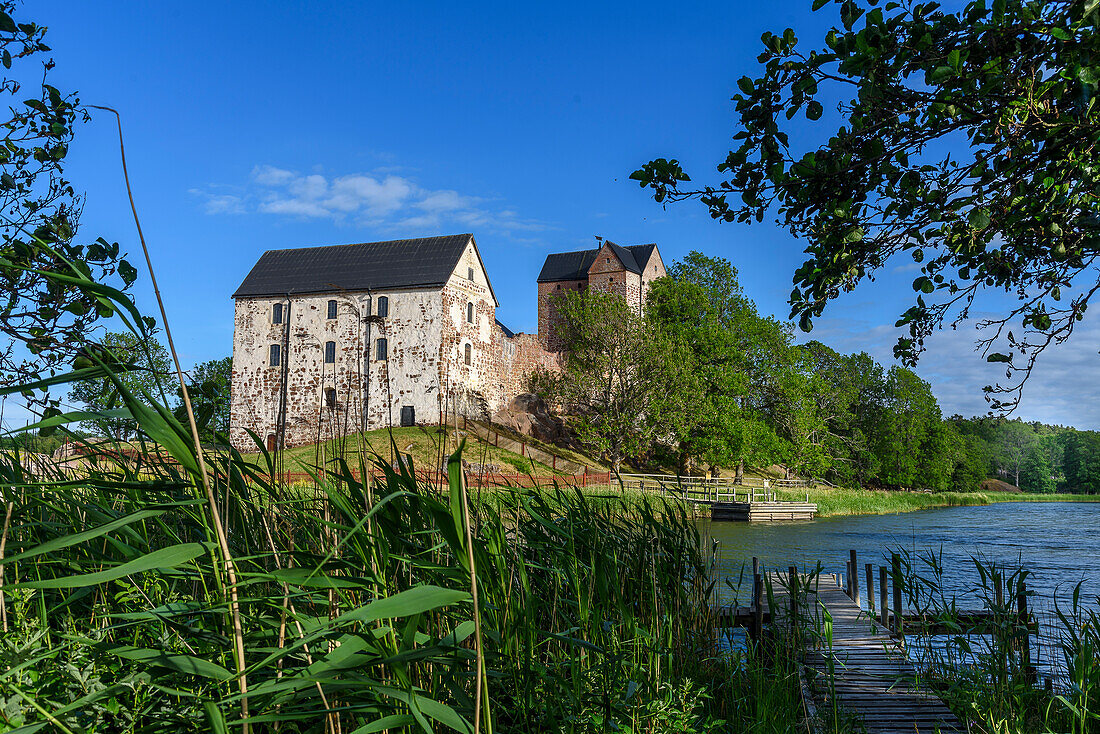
x=334, y=340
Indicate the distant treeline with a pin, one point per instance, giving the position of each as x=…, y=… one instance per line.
x=701, y=379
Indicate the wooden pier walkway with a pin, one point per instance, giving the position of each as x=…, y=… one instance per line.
x=747, y=501
x=873, y=680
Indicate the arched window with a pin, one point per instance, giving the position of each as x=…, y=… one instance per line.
x=277, y=313
x=332, y=309
x=330, y=397
x=469, y=353
x=383, y=307
x=274, y=355
x=470, y=313
x=380, y=350
x=330, y=352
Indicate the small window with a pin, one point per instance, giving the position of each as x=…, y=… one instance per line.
x=608, y=260
x=559, y=286
x=330, y=352
x=470, y=313
x=408, y=416
x=330, y=397
x=277, y=313
x=274, y=355
x=332, y=309
x=381, y=349
x=383, y=307
x=469, y=274
x=469, y=353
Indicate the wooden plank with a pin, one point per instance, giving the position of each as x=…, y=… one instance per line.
x=872, y=679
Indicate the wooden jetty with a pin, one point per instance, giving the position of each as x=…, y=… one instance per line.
x=865, y=667
x=762, y=511
x=872, y=679
x=747, y=501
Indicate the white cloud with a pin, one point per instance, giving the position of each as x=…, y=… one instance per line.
x=382, y=200
x=219, y=203
x=1064, y=387
x=271, y=176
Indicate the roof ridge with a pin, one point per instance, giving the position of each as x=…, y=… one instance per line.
x=378, y=242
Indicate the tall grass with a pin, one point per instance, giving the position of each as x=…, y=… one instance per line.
x=1004, y=672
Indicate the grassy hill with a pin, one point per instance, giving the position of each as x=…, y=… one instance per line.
x=428, y=447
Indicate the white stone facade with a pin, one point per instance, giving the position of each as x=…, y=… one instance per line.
x=425, y=367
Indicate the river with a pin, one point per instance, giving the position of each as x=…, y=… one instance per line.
x=1059, y=542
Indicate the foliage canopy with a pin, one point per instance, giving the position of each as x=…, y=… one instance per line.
x=967, y=141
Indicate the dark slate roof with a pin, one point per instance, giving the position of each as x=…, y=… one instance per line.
x=505, y=330
x=575, y=265
x=567, y=266
x=420, y=262
x=642, y=253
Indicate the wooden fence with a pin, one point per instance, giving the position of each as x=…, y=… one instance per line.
x=479, y=479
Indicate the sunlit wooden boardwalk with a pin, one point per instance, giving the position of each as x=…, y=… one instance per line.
x=874, y=681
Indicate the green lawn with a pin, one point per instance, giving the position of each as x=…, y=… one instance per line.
x=428, y=446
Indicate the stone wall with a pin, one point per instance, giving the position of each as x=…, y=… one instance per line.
x=549, y=318
x=426, y=331
x=608, y=274
x=363, y=384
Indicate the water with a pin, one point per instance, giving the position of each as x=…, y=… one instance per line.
x=1059, y=542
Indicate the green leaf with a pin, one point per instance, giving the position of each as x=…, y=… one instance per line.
x=998, y=357
x=416, y=600
x=814, y=110
x=7, y=25
x=215, y=719
x=745, y=85
x=77, y=538
x=187, y=664
x=819, y=4
x=978, y=218
x=940, y=73
x=170, y=557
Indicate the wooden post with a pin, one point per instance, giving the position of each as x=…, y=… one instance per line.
x=757, y=626
x=794, y=596
x=883, y=607
x=855, y=575
x=523, y=447
x=896, y=563
x=554, y=462
x=1025, y=638
x=871, y=589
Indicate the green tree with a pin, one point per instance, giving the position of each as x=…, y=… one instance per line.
x=910, y=416
x=147, y=364
x=972, y=462
x=1082, y=461
x=208, y=387
x=619, y=377
x=44, y=315
x=1015, y=442
x=1037, y=475
x=963, y=140
x=702, y=309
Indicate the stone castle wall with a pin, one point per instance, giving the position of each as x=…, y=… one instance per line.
x=427, y=332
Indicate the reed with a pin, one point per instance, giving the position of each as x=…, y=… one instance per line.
x=1028, y=664
x=354, y=601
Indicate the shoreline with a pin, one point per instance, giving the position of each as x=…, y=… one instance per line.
x=846, y=502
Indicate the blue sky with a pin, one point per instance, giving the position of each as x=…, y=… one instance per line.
x=252, y=126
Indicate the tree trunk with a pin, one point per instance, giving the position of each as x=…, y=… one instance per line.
x=683, y=459
x=739, y=477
